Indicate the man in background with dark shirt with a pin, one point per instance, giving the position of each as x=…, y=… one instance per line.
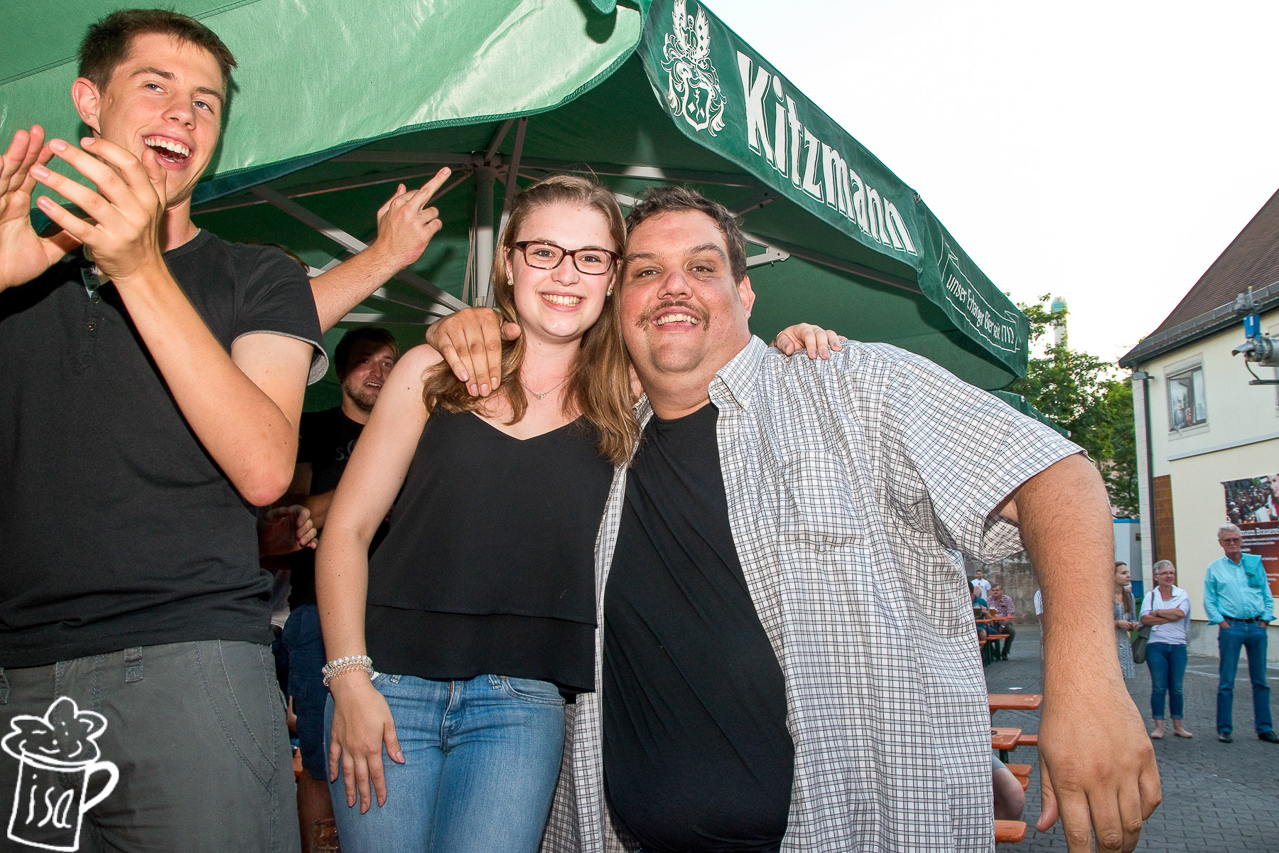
x=363, y=359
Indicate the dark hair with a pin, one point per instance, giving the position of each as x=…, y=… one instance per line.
x=1129, y=604
x=659, y=200
x=106, y=43
x=372, y=334
x=599, y=386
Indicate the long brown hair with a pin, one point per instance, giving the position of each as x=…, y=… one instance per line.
x=599, y=385
x=1129, y=604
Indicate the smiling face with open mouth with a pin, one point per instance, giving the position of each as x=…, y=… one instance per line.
x=681, y=310
x=560, y=304
x=368, y=366
x=166, y=96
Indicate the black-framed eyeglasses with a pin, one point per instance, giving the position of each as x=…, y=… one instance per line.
x=547, y=256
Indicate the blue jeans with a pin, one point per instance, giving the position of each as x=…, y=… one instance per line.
x=1252, y=637
x=481, y=758
x=304, y=647
x=1167, y=664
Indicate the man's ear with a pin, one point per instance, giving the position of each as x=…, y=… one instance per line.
x=746, y=294
x=87, y=100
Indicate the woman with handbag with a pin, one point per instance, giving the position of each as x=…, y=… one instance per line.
x=1166, y=611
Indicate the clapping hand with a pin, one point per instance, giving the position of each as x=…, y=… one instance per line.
x=23, y=253
x=123, y=229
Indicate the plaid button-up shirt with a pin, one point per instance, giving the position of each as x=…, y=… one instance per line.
x=1004, y=607
x=853, y=485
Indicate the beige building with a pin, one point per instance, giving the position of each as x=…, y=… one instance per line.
x=1199, y=422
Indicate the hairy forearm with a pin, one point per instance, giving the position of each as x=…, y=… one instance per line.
x=342, y=288
x=251, y=439
x=1073, y=555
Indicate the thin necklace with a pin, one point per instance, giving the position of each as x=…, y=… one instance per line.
x=542, y=396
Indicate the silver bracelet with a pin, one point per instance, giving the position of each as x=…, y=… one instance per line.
x=334, y=668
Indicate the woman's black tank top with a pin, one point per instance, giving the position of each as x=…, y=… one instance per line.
x=489, y=563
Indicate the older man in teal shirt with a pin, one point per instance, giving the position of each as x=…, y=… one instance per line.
x=1237, y=599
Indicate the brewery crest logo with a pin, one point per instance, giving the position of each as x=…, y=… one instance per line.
x=692, y=88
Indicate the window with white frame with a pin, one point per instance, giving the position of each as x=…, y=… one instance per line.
x=1187, y=405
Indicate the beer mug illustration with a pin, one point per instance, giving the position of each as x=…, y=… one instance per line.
x=57, y=756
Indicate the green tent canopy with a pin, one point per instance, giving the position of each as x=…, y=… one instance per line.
x=335, y=103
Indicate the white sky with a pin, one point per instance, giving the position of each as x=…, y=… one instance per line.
x=1106, y=152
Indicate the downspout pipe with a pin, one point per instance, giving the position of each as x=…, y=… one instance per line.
x=1145, y=378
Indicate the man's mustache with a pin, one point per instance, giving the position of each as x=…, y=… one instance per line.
x=647, y=317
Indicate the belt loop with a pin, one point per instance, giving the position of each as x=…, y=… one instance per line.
x=4, y=688
x=133, y=664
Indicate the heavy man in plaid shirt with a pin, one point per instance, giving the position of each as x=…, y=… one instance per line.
x=786, y=658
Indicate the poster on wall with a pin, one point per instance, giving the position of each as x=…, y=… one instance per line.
x=1253, y=504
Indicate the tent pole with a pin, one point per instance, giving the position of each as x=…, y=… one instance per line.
x=485, y=178
x=513, y=171
x=349, y=242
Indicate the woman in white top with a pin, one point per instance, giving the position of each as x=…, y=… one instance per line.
x=1167, y=610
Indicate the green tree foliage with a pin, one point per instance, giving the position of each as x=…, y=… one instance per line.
x=1086, y=396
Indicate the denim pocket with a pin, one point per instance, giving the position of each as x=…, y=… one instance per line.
x=530, y=690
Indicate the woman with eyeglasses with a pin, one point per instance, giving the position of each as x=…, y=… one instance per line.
x=478, y=609
x=1166, y=609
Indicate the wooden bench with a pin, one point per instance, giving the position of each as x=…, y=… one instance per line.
x=1022, y=772
x=1028, y=740
x=1009, y=831
x=1004, y=739
x=1014, y=701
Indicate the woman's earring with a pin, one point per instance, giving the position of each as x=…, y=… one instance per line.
x=610, y=292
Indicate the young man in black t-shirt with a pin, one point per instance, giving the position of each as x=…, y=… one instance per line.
x=151, y=382
x=363, y=360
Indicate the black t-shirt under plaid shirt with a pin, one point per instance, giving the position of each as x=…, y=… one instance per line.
x=696, y=752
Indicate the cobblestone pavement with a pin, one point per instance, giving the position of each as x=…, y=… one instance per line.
x=1216, y=796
